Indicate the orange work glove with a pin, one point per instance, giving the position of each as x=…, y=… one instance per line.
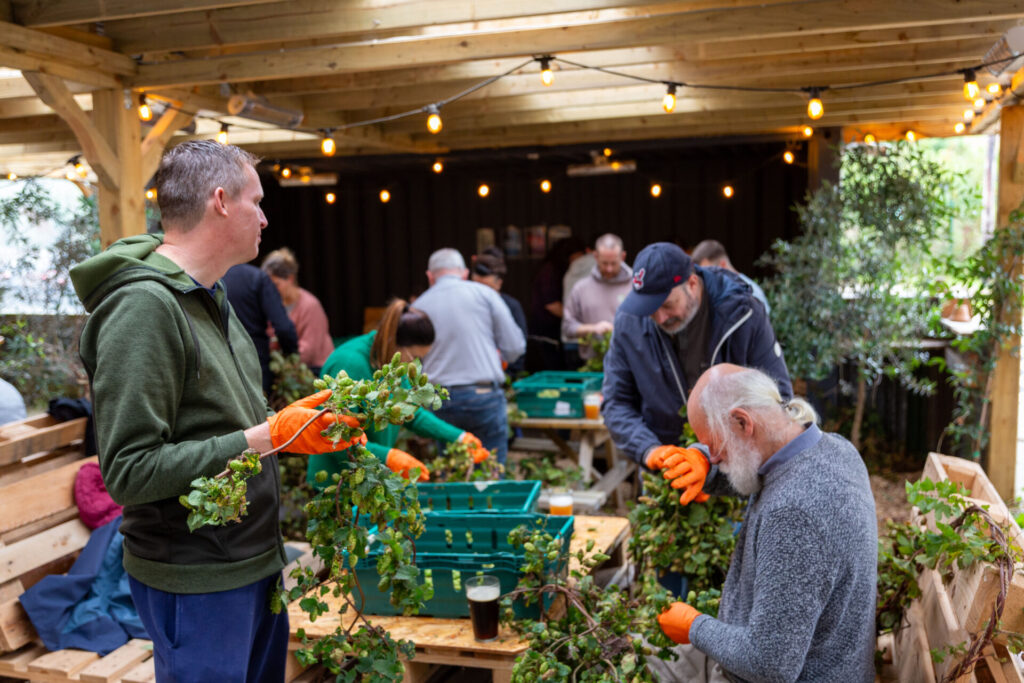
x=476, y=449
x=402, y=463
x=688, y=469
x=657, y=457
x=676, y=621
x=289, y=420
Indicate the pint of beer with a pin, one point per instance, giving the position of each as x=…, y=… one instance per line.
x=483, y=593
x=561, y=502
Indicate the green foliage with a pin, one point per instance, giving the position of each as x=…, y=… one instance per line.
x=961, y=538
x=599, y=345
x=456, y=464
x=292, y=379
x=853, y=285
x=544, y=467
x=594, y=637
x=695, y=540
x=215, y=501
x=992, y=280
x=364, y=494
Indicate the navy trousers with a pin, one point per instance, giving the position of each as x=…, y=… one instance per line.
x=482, y=412
x=224, y=637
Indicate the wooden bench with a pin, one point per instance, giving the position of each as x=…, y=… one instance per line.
x=41, y=534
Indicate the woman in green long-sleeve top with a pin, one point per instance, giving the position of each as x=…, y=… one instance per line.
x=408, y=331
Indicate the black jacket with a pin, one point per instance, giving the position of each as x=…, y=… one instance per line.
x=256, y=301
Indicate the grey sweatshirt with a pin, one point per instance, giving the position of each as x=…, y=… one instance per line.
x=594, y=299
x=799, y=600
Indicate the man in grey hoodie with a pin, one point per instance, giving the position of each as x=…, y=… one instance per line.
x=798, y=602
x=590, y=306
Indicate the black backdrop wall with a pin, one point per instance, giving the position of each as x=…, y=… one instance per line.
x=360, y=252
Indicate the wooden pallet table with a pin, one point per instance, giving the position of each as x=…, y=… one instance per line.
x=450, y=641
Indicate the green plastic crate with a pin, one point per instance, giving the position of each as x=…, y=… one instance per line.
x=479, y=496
x=556, y=394
x=483, y=550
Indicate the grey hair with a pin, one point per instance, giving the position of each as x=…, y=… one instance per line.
x=609, y=241
x=445, y=259
x=190, y=172
x=280, y=263
x=754, y=391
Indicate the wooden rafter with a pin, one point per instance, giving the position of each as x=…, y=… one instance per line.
x=35, y=13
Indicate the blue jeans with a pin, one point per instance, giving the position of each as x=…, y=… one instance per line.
x=224, y=637
x=481, y=411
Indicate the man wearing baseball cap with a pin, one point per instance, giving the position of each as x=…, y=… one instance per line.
x=678, y=320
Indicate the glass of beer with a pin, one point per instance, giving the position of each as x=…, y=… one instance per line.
x=592, y=406
x=561, y=502
x=483, y=593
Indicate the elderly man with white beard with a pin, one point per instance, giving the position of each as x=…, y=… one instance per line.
x=798, y=603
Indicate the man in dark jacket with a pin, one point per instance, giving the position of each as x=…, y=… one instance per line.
x=678, y=321
x=257, y=302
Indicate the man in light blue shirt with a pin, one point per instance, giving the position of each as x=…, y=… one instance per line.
x=712, y=253
x=474, y=333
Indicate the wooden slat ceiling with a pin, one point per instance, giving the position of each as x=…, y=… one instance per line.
x=352, y=60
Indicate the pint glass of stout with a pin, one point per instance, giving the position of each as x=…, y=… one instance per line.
x=483, y=593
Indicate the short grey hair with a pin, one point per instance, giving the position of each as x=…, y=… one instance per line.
x=609, y=241
x=190, y=172
x=754, y=391
x=446, y=259
x=280, y=263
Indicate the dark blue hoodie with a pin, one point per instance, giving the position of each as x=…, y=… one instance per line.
x=644, y=386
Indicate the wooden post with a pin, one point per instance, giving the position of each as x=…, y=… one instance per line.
x=1002, y=453
x=122, y=211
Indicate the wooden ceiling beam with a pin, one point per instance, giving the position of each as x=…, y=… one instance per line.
x=56, y=48
x=26, y=61
x=36, y=13
x=32, y=106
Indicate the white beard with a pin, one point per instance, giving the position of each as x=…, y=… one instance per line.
x=744, y=461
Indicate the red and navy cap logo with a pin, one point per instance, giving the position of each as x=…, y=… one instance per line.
x=638, y=279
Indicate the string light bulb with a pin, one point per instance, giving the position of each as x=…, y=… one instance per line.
x=870, y=139
x=971, y=88
x=545, y=186
x=960, y=127
x=788, y=157
x=547, y=77
x=12, y=176
x=222, y=136
x=327, y=145
x=815, y=108
x=434, y=122
x=968, y=115
x=483, y=190
x=437, y=167
x=655, y=190
x=286, y=172
x=979, y=104
x=607, y=151
x=145, y=112
x=668, y=102
x=728, y=191
x=330, y=197
x=385, y=196
x=808, y=131
x=80, y=168
x=910, y=136
x=151, y=193
x=994, y=89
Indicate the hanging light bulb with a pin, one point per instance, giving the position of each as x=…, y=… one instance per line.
x=286, y=172
x=668, y=102
x=151, y=193
x=979, y=104
x=327, y=145
x=960, y=127
x=815, y=108
x=80, y=168
x=808, y=131
x=607, y=151
x=434, y=123
x=546, y=75
x=12, y=176
x=968, y=115
x=994, y=89
x=971, y=88
x=70, y=175
x=728, y=192
x=437, y=167
x=788, y=157
x=330, y=197
x=869, y=139
x=911, y=136
x=222, y=136
x=545, y=186
x=385, y=196
x=655, y=190
x=145, y=113
x=483, y=190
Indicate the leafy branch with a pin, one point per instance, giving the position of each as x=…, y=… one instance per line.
x=456, y=464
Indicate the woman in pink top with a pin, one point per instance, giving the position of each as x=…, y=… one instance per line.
x=303, y=308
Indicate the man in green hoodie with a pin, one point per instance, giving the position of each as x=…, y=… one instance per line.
x=176, y=386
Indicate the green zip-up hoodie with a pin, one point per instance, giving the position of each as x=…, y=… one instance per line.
x=175, y=382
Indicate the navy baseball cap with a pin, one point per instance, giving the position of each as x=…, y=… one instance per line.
x=657, y=269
